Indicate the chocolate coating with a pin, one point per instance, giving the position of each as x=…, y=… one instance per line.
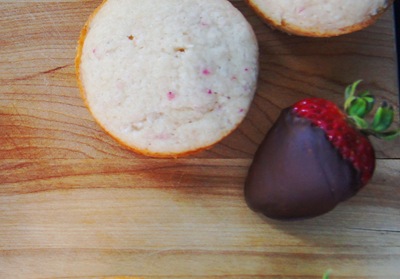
x=297, y=173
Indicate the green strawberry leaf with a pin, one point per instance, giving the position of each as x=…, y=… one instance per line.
x=357, y=106
x=351, y=89
x=365, y=93
x=383, y=118
x=390, y=135
x=369, y=99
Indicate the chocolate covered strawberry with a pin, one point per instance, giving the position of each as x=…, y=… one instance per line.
x=316, y=156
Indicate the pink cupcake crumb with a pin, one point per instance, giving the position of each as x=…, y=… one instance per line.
x=171, y=95
x=206, y=72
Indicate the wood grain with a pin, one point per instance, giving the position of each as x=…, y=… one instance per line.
x=75, y=204
x=112, y=217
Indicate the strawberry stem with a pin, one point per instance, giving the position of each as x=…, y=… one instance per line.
x=358, y=106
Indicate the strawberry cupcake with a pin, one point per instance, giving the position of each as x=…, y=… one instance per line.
x=167, y=78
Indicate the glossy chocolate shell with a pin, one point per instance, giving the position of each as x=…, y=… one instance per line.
x=297, y=173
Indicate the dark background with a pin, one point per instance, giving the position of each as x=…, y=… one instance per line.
x=397, y=27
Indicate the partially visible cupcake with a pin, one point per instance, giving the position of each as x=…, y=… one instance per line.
x=320, y=18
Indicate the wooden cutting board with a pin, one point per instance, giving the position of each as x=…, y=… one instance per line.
x=75, y=204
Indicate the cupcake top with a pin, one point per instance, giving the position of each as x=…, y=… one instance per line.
x=320, y=18
x=167, y=78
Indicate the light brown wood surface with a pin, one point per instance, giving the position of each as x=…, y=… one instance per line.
x=75, y=204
